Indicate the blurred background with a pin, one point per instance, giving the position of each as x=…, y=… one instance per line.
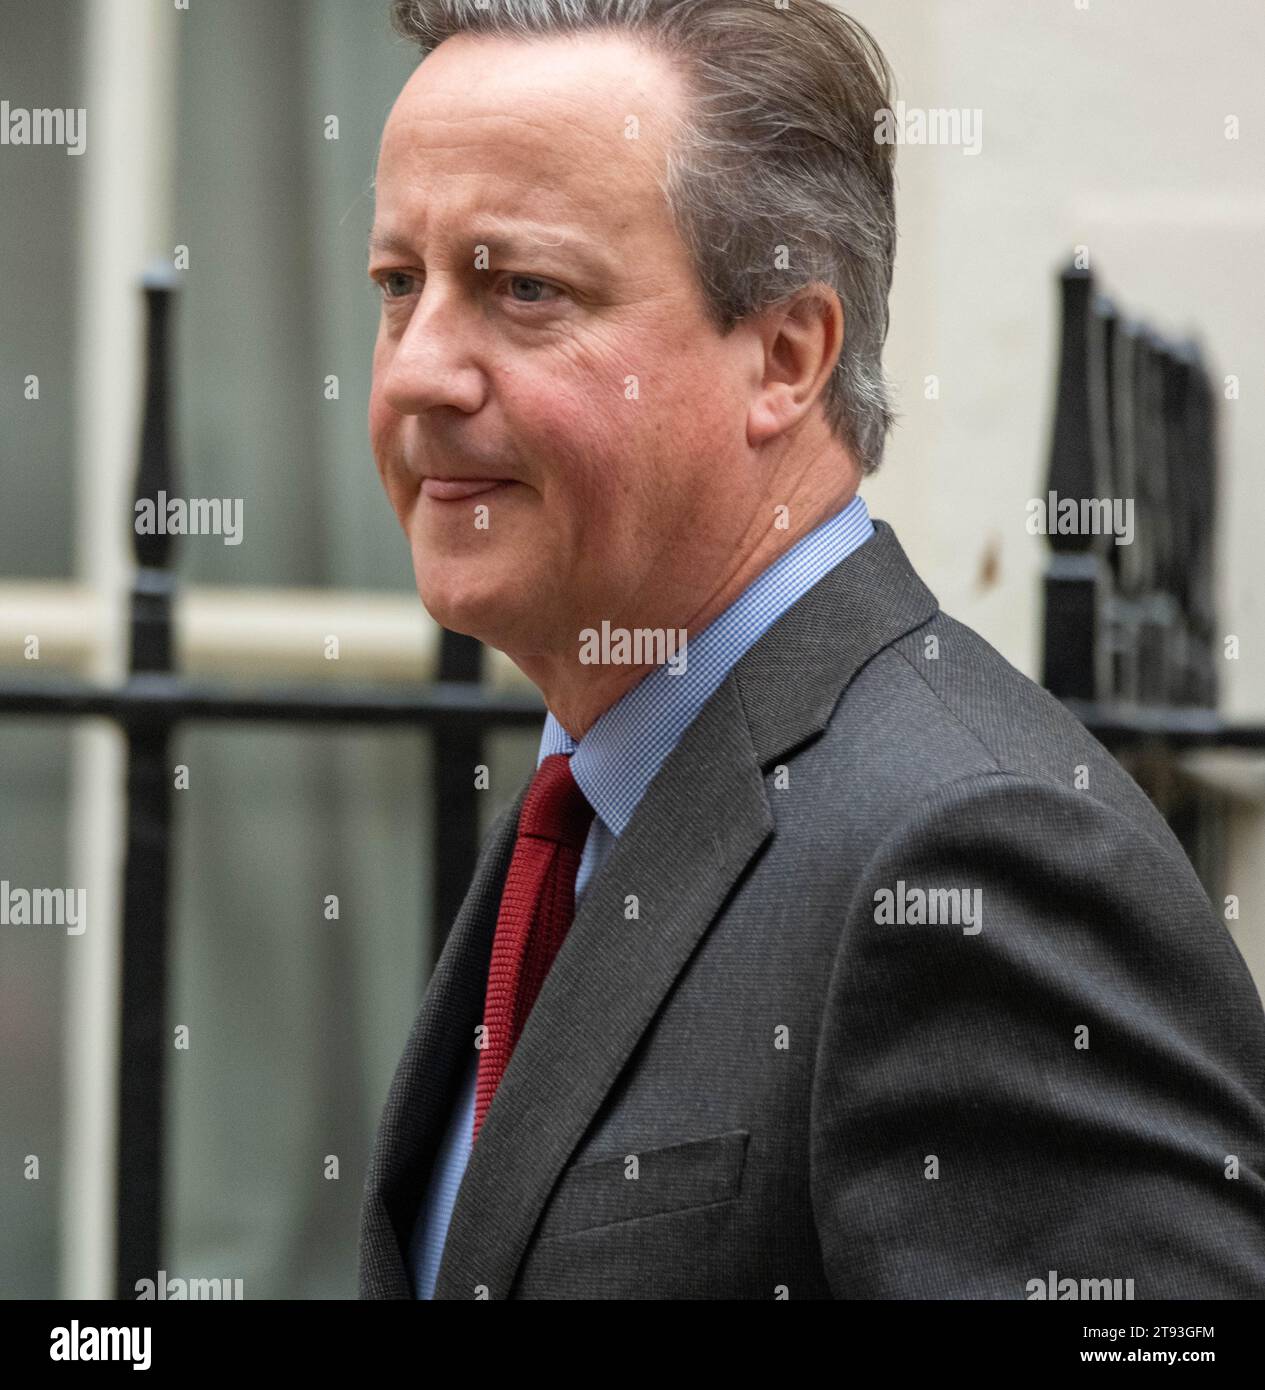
x=1132, y=129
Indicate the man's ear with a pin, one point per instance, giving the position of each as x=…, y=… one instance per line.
x=802, y=338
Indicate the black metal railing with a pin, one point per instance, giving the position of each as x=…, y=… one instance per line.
x=148, y=706
x=1130, y=621
x=1131, y=639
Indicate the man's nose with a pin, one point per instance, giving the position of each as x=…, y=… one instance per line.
x=434, y=360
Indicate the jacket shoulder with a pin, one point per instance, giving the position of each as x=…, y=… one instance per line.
x=941, y=704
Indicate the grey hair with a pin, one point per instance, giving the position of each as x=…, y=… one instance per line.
x=776, y=179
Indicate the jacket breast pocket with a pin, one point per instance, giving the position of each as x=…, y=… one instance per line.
x=606, y=1191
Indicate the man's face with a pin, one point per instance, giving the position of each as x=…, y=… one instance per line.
x=573, y=362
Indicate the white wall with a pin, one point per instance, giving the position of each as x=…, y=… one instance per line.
x=1105, y=127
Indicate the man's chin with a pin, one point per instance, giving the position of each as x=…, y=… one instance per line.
x=478, y=609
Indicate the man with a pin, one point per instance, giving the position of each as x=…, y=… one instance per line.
x=825, y=954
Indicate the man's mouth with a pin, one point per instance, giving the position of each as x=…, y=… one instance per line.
x=458, y=489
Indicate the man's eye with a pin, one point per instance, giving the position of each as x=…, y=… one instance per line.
x=524, y=289
x=391, y=282
x=533, y=291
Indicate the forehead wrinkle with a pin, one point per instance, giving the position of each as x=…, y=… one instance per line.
x=492, y=201
x=498, y=191
x=504, y=237
x=571, y=165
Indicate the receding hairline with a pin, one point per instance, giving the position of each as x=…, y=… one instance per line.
x=642, y=42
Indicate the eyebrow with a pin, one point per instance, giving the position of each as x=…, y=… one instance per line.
x=528, y=238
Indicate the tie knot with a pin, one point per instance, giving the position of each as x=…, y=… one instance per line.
x=555, y=808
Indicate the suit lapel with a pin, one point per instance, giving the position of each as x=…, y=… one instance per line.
x=678, y=861
x=419, y=1103
x=701, y=822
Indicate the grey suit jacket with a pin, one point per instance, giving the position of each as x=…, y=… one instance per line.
x=759, y=1069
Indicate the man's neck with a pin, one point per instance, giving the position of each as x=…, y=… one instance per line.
x=577, y=695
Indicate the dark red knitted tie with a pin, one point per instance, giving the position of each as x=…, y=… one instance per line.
x=537, y=905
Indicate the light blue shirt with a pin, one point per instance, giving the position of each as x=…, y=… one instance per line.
x=613, y=764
